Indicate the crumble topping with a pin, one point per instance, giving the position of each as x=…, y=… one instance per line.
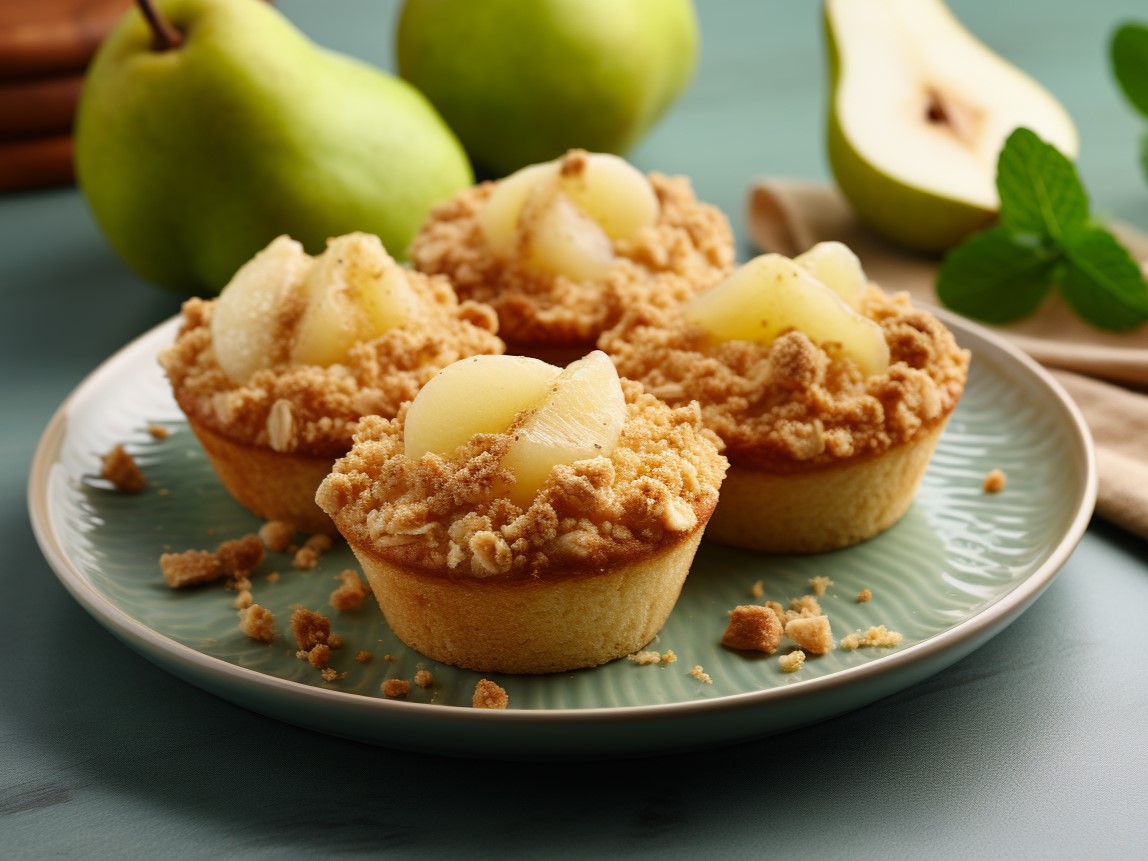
x=811, y=633
x=307, y=556
x=121, y=469
x=791, y=400
x=864, y=596
x=701, y=675
x=446, y=515
x=312, y=632
x=792, y=661
x=424, y=678
x=753, y=627
x=258, y=623
x=689, y=247
x=489, y=695
x=878, y=636
x=276, y=535
x=350, y=593
x=235, y=558
x=649, y=657
x=313, y=410
x=393, y=688
x=995, y=481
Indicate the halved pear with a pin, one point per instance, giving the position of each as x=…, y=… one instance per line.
x=772, y=294
x=243, y=331
x=354, y=292
x=480, y=394
x=581, y=417
x=920, y=109
x=551, y=215
x=836, y=266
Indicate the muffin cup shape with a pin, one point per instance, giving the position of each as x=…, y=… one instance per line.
x=823, y=509
x=552, y=623
x=273, y=485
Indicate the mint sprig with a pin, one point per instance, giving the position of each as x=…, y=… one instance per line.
x=1129, y=54
x=1046, y=238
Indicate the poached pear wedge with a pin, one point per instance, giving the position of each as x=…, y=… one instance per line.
x=919, y=110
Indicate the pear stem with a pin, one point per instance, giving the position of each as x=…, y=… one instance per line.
x=165, y=36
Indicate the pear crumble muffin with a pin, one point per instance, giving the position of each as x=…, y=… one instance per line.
x=558, y=275
x=307, y=347
x=822, y=453
x=584, y=572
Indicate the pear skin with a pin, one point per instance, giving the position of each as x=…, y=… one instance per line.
x=192, y=159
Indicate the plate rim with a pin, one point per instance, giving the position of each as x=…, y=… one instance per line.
x=138, y=634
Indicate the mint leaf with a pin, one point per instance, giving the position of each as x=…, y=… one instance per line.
x=1102, y=282
x=1039, y=188
x=997, y=276
x=1129, y=52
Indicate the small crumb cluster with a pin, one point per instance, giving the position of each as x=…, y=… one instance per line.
x=649, y=657
x=489, y=695
x=122, y=470
x=995, y=481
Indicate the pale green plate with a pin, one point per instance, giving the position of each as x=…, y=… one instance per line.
x=960, y=566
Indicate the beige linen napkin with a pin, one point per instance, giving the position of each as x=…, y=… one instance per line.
x=1106, y=373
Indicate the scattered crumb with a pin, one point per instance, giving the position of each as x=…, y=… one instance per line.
x=163, y=491
x=819, y=585
x=307, y=556
x=258, y=623
x=190, y=568
x=811, y=633
x=806, y=605
x=648, y=657
x=424, y=678
x=121, y=469
x=363, y=657
x=877, y=636
x=335, y=642
x=159, y=431
x=753, y=628
x=701, y=675
x=776, y=608
x=276, y=535
x=351, y=593
x=864, y=596
x=273, y=577
x=757, y=590
x=240, y=556
x=243, y=599
x=330, y=674
x=995, y=481
x=489, y=695
x=311, y=629
x=395, y=688
x=389, y=658
x=318, y=656
x=791, y=662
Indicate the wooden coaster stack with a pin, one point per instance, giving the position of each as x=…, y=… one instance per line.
x=45, y=46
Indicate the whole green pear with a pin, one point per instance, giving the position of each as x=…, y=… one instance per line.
x=522, y=82
x=194, y=156
x=919, y=111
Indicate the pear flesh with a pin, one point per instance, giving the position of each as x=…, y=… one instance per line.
x=555, y=416
x=563, y=216
x=920, y=110
x=286, y=306
x=771, y=295
x=836, y=266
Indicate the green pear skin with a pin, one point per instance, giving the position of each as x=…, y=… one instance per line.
x=522, y=82
x=913, y=218
x=192, y=159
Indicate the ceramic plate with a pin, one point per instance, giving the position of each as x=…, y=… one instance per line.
x=954, y=571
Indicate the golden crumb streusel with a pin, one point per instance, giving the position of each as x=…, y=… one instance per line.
x=122, y=470
x=312, y=410
x=877, y=636
x=791, y=662
x=258, y=623
x=790, y=401
x=489, y=695
x=310, y=629
x=307, y=556
x=276, y=535
x=350, y=593
x=446, y=515
x=701, y=675
x=688, y=248
x=753, y=627
x=864, y=596
x=995, y=481
x=813, y=634
x=393, y=688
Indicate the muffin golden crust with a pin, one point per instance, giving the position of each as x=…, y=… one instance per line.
x=689, y=247
x=821, y=455
x=312, y=411
x=588, y=572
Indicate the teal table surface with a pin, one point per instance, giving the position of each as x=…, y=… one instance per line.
x=1035, y=746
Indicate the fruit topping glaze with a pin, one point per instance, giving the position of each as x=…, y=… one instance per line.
x=508, y=466
x=297, y=348
x=559, y=249
x=797, y=360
